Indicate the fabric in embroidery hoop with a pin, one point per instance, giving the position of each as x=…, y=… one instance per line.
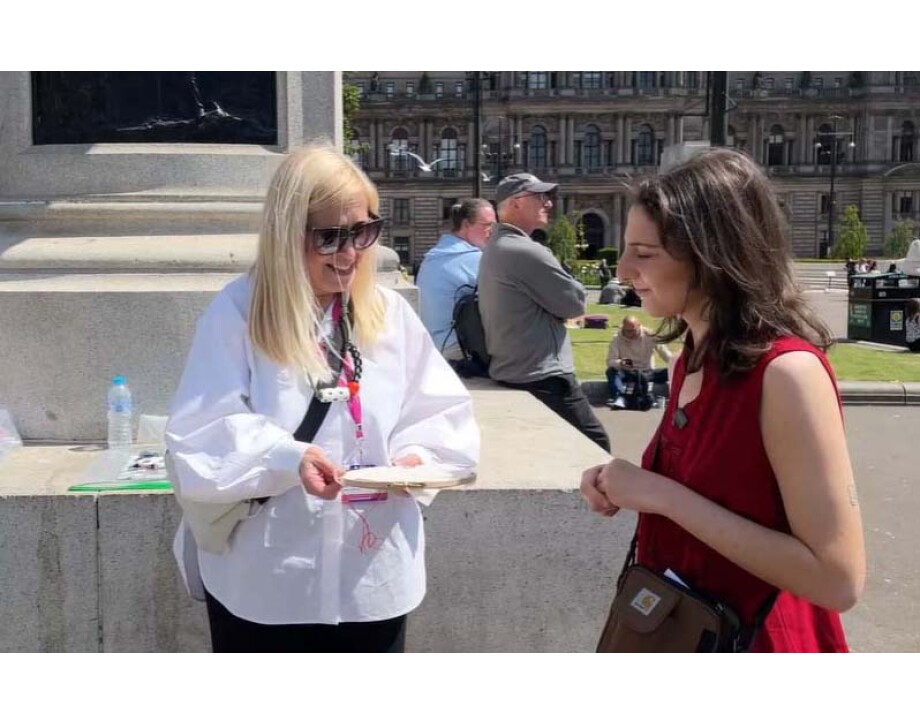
x=424, y=476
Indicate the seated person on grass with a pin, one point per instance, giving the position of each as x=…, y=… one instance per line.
x=629, y=358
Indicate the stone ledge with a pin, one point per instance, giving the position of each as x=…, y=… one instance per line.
x=505, y=417
x=852, y=392
x=94, y=572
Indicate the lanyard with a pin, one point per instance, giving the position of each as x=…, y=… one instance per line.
x=350, y=378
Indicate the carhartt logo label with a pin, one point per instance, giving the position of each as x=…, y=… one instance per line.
x=645, y=601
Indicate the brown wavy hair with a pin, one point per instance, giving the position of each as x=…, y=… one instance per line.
x=719, y=212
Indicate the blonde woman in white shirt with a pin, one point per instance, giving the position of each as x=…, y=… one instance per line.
x=313, y=567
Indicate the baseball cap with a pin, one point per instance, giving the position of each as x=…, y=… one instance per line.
x=520, y=183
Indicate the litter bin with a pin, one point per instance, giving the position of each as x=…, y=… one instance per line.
x=875, y=309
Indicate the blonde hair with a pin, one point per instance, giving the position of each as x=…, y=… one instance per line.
x=284, y=313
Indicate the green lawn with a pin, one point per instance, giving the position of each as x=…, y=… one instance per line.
x=851, y=361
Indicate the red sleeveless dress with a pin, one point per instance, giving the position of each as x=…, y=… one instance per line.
x=720, y=454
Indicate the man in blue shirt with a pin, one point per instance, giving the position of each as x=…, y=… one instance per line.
x=449, y=265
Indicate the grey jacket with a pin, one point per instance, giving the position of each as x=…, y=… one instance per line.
x=524, y=297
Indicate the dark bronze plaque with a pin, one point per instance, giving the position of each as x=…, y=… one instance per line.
x=162, y=106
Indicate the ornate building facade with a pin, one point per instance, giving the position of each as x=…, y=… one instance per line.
x=593, y=131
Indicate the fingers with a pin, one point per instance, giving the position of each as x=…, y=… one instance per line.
x=319, y=476
x=330, y=472
x=597, y=501
x=317, y=483
x=410, y=461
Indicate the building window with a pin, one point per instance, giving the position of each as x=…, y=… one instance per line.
x=459, y=89
x=739, y=84
x=693, y=79
x=645, y=147
x=402, y=246
x=399, y=145
x=591, y=148
x=538, y=147
x=902, y=202
x=360, y=86
x=446, y=204
x=730, y=136
x=410, y=89
x=537, y=80
x=824, y=203
x=776, y=146
x=401, y=211
x=824, y=145
x=903, y=144
x=769, y=83
x=838, y=82
x=439, y=89
x=390, y=88
x=590, y=79
x=787, y=83
x=817, y=82
x=447, y=150
x=647, y=79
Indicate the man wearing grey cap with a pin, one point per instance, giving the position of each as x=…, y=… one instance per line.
x=525, y=296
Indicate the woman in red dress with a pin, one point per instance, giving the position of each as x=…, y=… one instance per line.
x=746, y=491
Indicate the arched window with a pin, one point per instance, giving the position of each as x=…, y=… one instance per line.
x=645, y=147
x=907, y=141
x=399, y=145
x=776, y=146
x=591, y=149
x=538, y=147
x=448, y=150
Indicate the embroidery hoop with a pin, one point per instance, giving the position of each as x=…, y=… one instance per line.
x=417, y=477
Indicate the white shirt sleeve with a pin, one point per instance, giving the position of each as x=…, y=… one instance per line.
x=436, y=418
x=220, y=447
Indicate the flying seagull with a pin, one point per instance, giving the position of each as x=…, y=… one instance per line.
x=422, y=164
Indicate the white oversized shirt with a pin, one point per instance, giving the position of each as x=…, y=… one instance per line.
x=298, y=558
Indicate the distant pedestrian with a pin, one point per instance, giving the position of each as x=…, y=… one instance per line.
x=452, y=264
x=525, y=296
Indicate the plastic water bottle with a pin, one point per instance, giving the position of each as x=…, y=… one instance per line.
x=121, y=409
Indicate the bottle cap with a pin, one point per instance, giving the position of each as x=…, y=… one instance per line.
x=118, y=380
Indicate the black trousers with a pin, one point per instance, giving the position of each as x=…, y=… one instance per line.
x=563, y=395
x=229, y=633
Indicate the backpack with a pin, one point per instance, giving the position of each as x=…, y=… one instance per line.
x=637, y=394
x=467, y=324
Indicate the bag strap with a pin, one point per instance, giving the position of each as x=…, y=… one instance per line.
x=317, y=410
x=458, y=295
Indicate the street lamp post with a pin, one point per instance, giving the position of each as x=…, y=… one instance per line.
x=835, y=135
x=476, y=78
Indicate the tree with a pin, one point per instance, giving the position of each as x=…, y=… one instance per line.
x=900, y=238
x=562, y=238
x=351, y=104
x=853, y=237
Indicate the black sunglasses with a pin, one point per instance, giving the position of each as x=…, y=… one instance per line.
x=333, y=239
